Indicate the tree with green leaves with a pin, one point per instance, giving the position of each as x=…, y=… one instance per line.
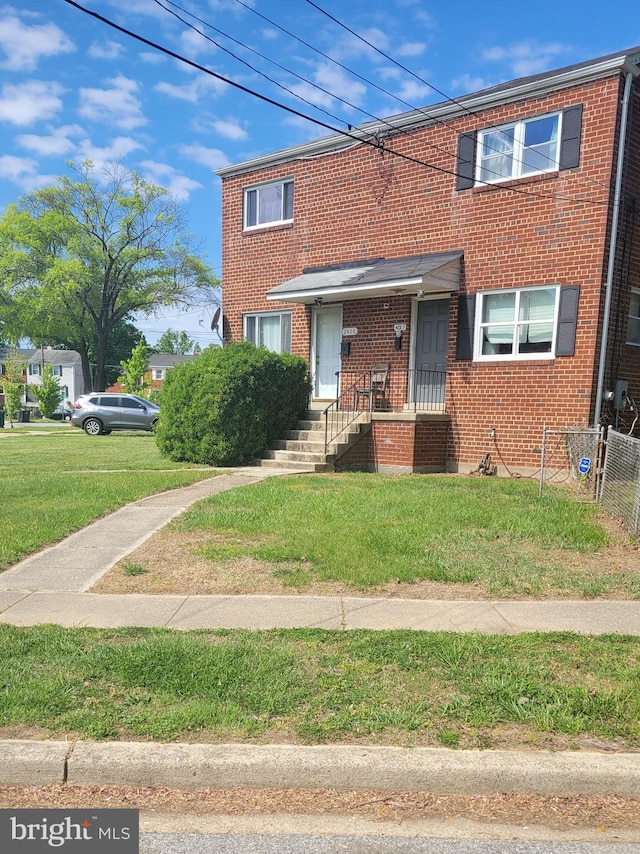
x=48, y=393
x=13, y=386
x=135, y=371
x=80, y=256
x=176, y=343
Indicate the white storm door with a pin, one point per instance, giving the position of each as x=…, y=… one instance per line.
x=328, y=325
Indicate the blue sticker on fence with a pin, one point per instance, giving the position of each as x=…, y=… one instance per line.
x=585, y=465
x=102, y=831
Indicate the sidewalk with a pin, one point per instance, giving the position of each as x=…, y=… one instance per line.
x=50, y=587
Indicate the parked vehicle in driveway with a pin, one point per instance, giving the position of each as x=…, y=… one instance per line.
x=101, y=412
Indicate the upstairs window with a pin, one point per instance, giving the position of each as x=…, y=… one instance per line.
x=516, y=150
x=268, y=204
x=517, y=324
x=529, y=146
x=35, y=369
x=270, y=329
x=158, y=373
x=56, y=370
x=633, y=325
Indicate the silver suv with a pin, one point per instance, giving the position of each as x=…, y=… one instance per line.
x=102, y=412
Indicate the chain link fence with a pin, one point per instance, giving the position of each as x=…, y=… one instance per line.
x=620, y=488
x=572, y=455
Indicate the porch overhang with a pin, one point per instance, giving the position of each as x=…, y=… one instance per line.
x=379, y=277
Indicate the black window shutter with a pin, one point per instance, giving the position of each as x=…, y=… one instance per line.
x=466, y=319
x=465, y=170
x=571, y=132
x=567, y=320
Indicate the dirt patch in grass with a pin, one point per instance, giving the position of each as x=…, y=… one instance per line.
x=169, y=562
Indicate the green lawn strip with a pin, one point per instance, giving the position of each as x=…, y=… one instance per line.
x=314, y=686
x=53, y=485
x=367, y=530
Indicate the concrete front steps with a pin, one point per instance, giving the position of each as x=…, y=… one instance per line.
x=303, y=448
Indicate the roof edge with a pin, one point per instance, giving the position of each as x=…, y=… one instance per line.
x=523, y=87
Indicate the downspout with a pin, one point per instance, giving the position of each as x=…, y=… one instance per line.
x=613, y=246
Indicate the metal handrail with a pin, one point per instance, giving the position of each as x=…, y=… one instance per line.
x=414, y=389
x=341, y=414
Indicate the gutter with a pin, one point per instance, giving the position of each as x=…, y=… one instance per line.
x=613, y=244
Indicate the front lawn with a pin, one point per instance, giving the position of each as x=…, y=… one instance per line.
x=484, y=537
x=312, y=686
x=53, y=484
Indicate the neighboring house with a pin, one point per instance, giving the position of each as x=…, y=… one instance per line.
x=159, y=364
x=494, y=266
x=66, y=367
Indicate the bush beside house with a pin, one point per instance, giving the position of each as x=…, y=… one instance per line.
x=226, y=407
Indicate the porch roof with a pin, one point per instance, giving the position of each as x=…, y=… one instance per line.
x=435, y=273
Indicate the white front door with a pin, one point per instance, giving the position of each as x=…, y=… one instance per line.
x=328, y=335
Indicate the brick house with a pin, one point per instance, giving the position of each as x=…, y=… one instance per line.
x=485, y=249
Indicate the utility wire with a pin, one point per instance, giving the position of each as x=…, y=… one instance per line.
x=426, y=82
x=286, y=70
x=372, y=143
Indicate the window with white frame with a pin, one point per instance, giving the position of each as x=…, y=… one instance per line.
x=517, y=324
x=35, y=369
x=522, y=148
x=158, y=373
x=57, y=370
x=269, y=329
x=633, y=326
x=268, y=204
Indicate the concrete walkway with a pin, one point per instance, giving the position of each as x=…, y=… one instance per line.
x=50, y=587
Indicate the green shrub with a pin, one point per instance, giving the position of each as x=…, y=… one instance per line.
x=226, y=406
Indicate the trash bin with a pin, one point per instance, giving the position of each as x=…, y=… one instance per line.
x=23, y=416
x=1, y=417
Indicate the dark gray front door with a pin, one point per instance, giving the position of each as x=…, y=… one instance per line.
x=432, y=342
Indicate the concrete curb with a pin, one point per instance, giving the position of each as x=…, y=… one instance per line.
x=436, y=770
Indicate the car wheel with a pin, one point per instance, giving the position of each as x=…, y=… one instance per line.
x=92, y=427
x=154, y=424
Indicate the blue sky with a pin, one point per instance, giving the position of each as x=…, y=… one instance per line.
x=71, y=87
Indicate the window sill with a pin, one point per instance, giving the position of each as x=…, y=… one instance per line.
x=517, y=182
x=260, y=229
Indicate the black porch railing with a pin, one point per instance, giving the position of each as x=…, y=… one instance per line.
x=405, y=390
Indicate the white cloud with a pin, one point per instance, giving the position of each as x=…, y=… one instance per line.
x=413, y=92
x=468, y=84
x=56, y=143
x=229, y=129
x=117, y=106
x=16, y=168
x=411, y=49
x=179, y=186
x=23, y=172
x=212, y=158
x=103, y=156
x=192, y=91
x=193, y=43
x=152, y=57
x=105, y=50
x=332, y=79
x=24, y=45
x=26, y=103
x=527, y=57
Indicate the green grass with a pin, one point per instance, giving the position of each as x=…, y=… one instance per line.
x=317, y=686
x=54, y=484
x=368, y=530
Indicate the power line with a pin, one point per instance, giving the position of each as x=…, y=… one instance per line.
x=372, y=143
x=287, y=71
x=426, y=83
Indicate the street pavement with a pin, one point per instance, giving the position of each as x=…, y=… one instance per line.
x=51, y=587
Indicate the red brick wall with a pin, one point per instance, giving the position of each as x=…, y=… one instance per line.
x=358, y=203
